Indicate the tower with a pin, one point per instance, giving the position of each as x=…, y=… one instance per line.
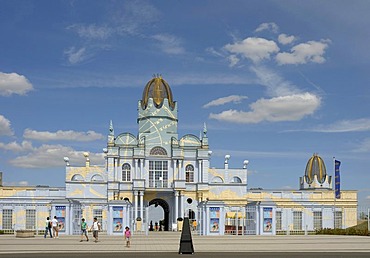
x=157, y=115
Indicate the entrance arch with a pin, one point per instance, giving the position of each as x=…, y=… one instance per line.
x=166, y=209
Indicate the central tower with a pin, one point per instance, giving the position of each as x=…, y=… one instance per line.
x=157, y=115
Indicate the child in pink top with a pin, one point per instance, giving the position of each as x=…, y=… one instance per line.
x=127, y=236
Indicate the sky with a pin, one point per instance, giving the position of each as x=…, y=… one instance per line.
x=274, y=81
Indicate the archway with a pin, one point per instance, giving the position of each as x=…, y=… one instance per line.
x=166, y=210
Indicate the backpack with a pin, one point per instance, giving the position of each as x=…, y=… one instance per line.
x=49, y=224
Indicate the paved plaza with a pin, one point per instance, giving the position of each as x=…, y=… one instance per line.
x=166, y=244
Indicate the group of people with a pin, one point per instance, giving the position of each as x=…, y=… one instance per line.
x=95, y=228
x=52, y=225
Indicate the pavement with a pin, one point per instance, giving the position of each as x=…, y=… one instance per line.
x=166, y=244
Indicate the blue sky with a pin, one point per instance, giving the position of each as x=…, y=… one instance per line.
x=275, y=82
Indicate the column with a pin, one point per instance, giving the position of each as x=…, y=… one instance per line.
x=176, y=206
x=174, y=169
x=115, y=177
x=141, y=169
x=181, y=175
x=136, y=167
x=142, y=205
x=177, y=170
x=200, y=170
x=182, y=205
x=135, y=201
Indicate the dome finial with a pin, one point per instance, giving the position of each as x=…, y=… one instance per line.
x=157, y=89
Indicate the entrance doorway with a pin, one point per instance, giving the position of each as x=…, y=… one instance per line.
x=166, y=209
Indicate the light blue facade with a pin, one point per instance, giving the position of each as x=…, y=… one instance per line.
x=157, y=167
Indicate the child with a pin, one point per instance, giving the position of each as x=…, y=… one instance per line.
x=127, y=236
x=84, y=230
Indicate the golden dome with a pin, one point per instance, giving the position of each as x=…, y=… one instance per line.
x=157, y=89
x=315, y=166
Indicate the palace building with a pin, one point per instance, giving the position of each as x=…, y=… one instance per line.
x=159, y=167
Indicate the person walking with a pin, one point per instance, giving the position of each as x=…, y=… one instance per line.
x=84, y=231
x=95, y=229
x=48, y=227
x=127, y=236
x=54, y=224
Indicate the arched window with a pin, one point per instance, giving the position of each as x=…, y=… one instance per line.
x=158, y=151
x=236, y=180
x=217, y=180
x=189, y=173
x=77, y=177
x=97, y=178
x=126, y=172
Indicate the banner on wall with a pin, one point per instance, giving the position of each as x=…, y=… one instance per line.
x=214, y=218
x=117, y=219
x=267, y=219
x=60, y=213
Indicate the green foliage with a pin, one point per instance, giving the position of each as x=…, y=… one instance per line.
x=358, y=230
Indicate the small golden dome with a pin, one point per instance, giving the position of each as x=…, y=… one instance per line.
x=315, y=166
x=157, y=89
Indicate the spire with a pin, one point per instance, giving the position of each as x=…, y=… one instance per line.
x=205, y=138
x=111, y=133
x=111, y=129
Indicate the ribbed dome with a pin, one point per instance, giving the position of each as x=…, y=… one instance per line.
x=315, y=166
x=157, y=89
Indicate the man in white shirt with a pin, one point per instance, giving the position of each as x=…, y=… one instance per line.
x=95, y=229
x=54, y=224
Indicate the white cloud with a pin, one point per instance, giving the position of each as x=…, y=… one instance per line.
x=285, y=39
x=214, y=52
x=15, y=147
x=311, y=51
x=13, y=83
x=275, y=84
x=62, y=135
x=5, y=128
x=75, y=56
x=133, y=16
x=234, y=60
x=19, y=183
x=271, y=26
x=255, y=49
x=224, y=100
x=344, y=126
x=284, y=108
x=47, y=156
x=169, y=44
x=364, y=146
x=92, y=31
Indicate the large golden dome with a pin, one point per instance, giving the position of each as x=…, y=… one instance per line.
x=315, y=166
x=157, y=89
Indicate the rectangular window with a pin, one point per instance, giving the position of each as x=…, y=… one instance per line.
x=297, y=220
x=98, y=213
x=30, y=219
x=317, y=219
x=7, y=219
x=338, y=219
x=278, y=220
x=158, y=174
